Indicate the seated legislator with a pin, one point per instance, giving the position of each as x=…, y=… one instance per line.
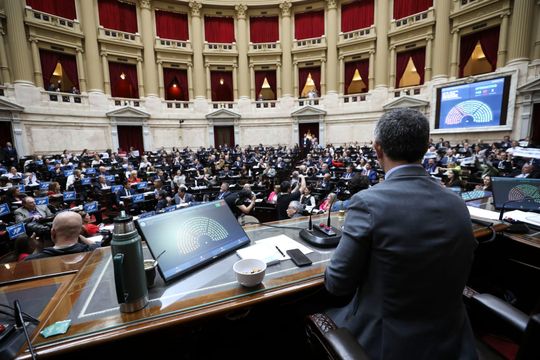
x=65, y=233
x=30, y=213
x=182, y=196
x=405, y=260
x=287, y=195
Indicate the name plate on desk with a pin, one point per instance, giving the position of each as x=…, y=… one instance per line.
x=137, y=198
x=110, y=178
x=90, y=171
x=70, y=195
x=44, y=185
x=68, y=172
x=86, y=181
x=42, y=200
x=147, y=214
x=16, y=230
x=21, y=188
x=50, y=167
x=91, y=207
x=116, y=188
x=141, y=185
x=4, y=209
x=169, y=208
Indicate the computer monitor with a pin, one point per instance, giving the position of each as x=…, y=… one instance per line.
x=191, y=237
x=516, y=193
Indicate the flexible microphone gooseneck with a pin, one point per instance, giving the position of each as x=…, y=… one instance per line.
x=330, y=209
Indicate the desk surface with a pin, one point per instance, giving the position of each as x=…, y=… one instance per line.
x=88, y=297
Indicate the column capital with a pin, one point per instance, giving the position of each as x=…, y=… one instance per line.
x=189, y=64
x=392, y=47
x=429, y=38
x=139, y=59
x=33, y=40
x=206, y=65
x=455, y=31
x=241, y=10
x=341, y=57
x=251, y=66
x=79, y=50
x=285, y=7
x=331, y=4
x=278, y=64
x=195, y=7
x=103, y=54
x=159, y=62
x=371, y=51
x=506, y=13
x=145, y=4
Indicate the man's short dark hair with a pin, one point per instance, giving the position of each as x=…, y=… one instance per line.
x=285, y=186
x=358, y=182
x=403, y=134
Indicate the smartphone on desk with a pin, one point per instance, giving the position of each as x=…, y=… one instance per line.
x=298, y=257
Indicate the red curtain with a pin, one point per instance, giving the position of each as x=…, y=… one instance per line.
x=171, y=25
x=404, y=8
x=270, y=75
x=315, y=75
x=176, y=77
x=117, y=15
x=125, y=88
x=62, y=8
x=49, y=59
x=357, y=15
x=419, y=60
x=219, y=29
x=309, y=25
x=222, y=92
x=489, y=40
x=130, y=136
x=363, y=69
x=263, y=29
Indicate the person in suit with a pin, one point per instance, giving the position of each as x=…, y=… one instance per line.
x=182, y=196
x=10, y=155
x=32, y=214
x=407, y=275
x=126, y=191
x=223, y=191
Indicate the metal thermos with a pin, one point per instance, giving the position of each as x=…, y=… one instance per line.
x=128, y=261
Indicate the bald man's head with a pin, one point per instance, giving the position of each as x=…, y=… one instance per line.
x=66, y=228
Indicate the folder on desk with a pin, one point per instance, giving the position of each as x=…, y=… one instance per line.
x=267, y=249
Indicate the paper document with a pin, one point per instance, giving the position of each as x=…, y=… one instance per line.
x=483, y=213
x=267, y=249
x=524, y=216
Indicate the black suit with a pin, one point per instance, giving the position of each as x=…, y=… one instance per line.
x=10, y=156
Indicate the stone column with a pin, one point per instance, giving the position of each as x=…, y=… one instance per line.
x=287, y=75
x=105, y=71
x=208, y=83
x=89, y=24
x=537, y=40
x=140, y=77
x=342, y=75
x=80, y=70
x=427, y=69
x=382, y=24
x=19, y=52
x=235, y=82
x=161, y=85
x=442, y=38
x=149, y=70
x=503, y=40
x=392, y=77
x=190, y=80
x=323, y=77
x=295, y=80
x=199, y=81
x=6, y=78
x=252, y=82
x=371, y=70
x=278, y=80
x=38, y=73
x=332, y=31
x=455, y=54
x=242, y=46
x=520, y=36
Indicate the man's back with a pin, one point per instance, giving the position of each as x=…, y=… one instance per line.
x=411, y=243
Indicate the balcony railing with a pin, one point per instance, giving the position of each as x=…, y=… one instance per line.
x=265, y=104
x=36, y=16
x=222, y=105
x=220, y=47
x=116, y=101
x=173, y=44
x=63, y=97
x=357, y=34
x=265, y=47
x=354, y=98
x=173, y=104
x=306, y=102
x=309, y=43
x=117, y=35
x=408, y=91
x=409, y=21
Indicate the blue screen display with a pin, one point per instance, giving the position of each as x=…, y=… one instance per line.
x=474, y=105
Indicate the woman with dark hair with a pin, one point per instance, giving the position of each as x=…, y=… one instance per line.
x=453, y=179
x=88, y=229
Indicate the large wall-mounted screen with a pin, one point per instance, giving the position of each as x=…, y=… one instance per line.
x=473, y=105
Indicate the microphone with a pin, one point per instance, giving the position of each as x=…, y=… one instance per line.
x=20, y=323
x=330, y=210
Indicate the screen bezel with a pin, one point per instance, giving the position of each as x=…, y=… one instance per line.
x=511, y=205
x=182, y=213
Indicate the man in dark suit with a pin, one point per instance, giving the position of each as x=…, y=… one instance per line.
x=405, y=260
x=10, y=155
x=223, y=191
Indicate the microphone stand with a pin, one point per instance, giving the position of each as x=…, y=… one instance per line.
x=321, y=235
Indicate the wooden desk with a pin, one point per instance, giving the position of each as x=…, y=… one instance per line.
x=88, y=297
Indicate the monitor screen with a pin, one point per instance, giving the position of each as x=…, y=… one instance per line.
x=191, y=237
x=473, y=105
x=516, y=193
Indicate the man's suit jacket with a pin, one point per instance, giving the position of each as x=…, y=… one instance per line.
x=223, y=195
x=22, y=213
x=406, y=259
x=187, y=198
x=122, y=193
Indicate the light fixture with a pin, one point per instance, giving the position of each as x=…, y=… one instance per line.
x=123, y=76
x=174, y=85
x=413, y=68
x=221, y=81
x=356, y=76
x=57, y=69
